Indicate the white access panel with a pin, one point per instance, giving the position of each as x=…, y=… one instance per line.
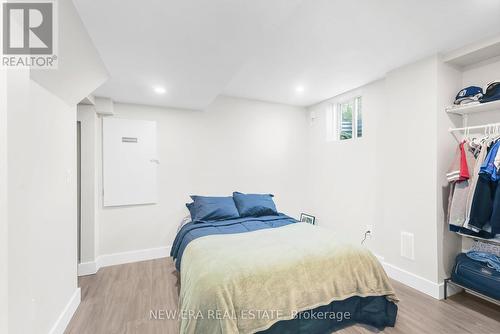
x=130, y=161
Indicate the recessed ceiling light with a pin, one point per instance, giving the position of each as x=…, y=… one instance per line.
x=159, y=90
x=299, y=89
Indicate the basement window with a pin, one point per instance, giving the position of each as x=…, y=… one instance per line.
x=345, y=120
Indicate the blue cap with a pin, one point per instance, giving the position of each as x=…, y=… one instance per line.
x=492, y=92
x=469, y=94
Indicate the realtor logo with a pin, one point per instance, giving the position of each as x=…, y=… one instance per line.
x=28, y=34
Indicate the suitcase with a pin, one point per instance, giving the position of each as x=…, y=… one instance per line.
x=476, y=276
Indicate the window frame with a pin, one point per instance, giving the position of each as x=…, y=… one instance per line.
x=334, y=118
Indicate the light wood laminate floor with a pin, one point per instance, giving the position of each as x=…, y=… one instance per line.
x=118, y=299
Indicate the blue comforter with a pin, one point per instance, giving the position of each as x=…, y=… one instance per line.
x=192, y=231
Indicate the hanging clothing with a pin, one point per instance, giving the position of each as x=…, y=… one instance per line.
x=495, y=214
x=497, y=161
x=460, y=169
x=481, y=152
x=450, y=199
x=474, y=201
x=457, y=211
x=459, y=185
x=483, y=202
x=488, y=167
x=470, y=157
x=474, y=147
x=464, y=169
x=485, y=206
x=454, y=171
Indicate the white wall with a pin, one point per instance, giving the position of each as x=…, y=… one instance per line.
x=234, y=145
x=448, y=243
x=406, y=157
x=41, y=191
x=80, y=69
x=3, y=205
x=392, y=177
x=42, y=205
x=482, y=73
x=88, y=187
x=385, y=179
x=342, y=175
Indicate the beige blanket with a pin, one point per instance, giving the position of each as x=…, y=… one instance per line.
x=244, y=283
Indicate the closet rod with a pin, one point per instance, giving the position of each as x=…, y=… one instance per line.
x=474, y=127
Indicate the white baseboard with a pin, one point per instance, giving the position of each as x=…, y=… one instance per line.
x=433, y=289
x=133, y=256
x=419, y=283
x=66, y=315
x=89, y=268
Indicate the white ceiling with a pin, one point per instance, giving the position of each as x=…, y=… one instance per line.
x=265, y=49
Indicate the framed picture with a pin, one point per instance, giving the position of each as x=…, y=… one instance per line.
x=304, y=217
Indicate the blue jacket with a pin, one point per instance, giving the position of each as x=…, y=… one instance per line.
x=488, y=167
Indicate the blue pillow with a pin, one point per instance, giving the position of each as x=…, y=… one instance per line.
x=205, y=209
x=190, y=207
x=255, y=205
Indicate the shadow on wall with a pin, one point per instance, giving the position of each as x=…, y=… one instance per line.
x=452, y=243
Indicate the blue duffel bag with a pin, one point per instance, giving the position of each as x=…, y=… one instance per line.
x=476, y=276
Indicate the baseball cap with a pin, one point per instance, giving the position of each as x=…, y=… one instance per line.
x=492, y=92
x=469, y=94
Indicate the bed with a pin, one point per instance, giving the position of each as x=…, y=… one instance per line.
x=260, y=271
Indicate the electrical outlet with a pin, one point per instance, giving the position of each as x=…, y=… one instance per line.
x=367, y=234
